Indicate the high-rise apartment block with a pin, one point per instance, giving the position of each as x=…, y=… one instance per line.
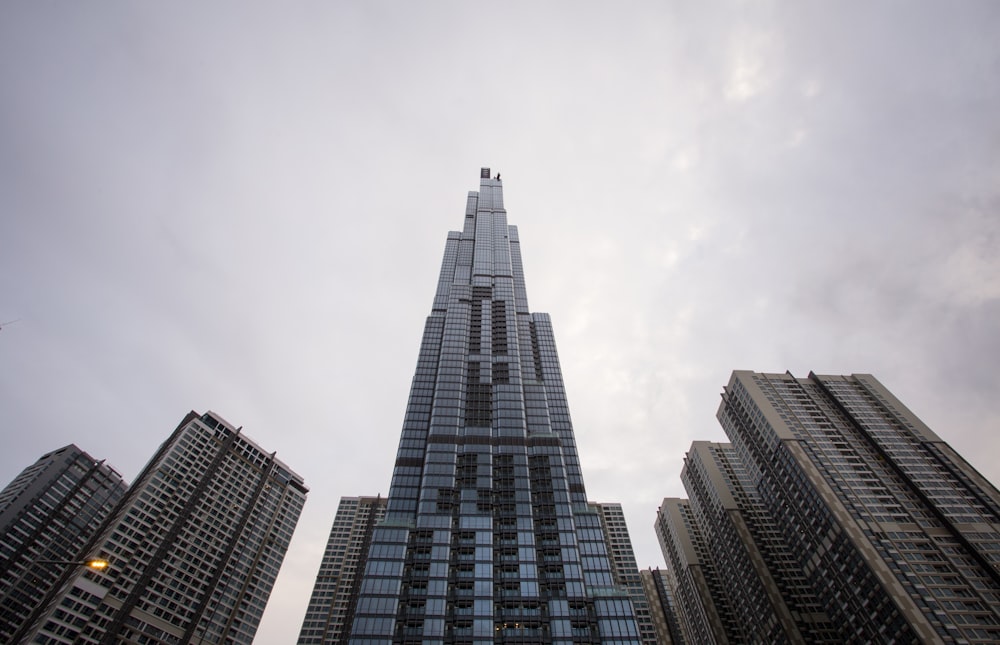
x=47, y=515
x=488, y=536
x=194, y=547
x=694, y=585
x=833, y=515
x=662, y=608
x=331, y=607
x=624, y=570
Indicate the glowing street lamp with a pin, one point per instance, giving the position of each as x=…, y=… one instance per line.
x=97, y=564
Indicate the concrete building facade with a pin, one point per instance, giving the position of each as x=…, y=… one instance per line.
x=624, y=570
x=48, y=514
x=335, y=594
x=833, y=515
x=194, y=546
x=662, y=606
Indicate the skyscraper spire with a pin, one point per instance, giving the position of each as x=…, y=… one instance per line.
x=487, y=535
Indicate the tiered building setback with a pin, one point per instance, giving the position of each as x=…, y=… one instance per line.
x=488, y=536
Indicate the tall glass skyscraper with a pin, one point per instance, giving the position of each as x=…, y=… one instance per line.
x=488, y=536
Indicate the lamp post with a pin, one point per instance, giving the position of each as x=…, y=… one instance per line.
x=97, y=564
x=94, y=564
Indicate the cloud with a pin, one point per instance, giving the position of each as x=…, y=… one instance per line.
x=246, y=213
x=753, y=66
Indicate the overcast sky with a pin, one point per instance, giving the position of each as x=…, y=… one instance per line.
x=242, y=208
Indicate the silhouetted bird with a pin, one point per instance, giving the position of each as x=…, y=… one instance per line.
x=498, y=175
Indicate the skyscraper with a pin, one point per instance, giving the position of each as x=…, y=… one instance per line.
x=624, y=570
x=834, y=515
x=339, y=579
x=766, y=595
x=488, y=535
x=47, y=515
x=696, y=589
x=662, y=607
x=194, y=546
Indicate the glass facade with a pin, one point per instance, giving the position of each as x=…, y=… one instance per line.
x=487, y=535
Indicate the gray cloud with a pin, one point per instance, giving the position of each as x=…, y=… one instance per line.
x=244, y=210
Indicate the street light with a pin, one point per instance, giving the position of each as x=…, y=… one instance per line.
x=97, y=564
